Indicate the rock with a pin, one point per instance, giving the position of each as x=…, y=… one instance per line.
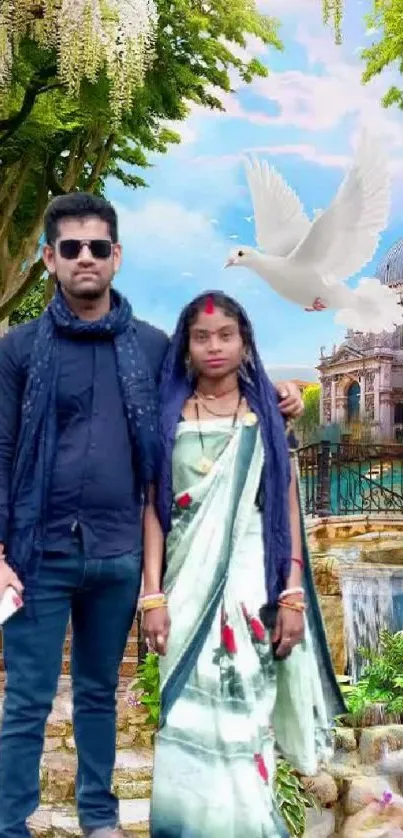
x=60, y=821
x=376, y=822
x=345, y=739
x=333, y=615
x=319, y=824
x=125, y=740
x=323, y=788
x=58, y=772
x=375, y=741
x=326, y=574
x=391, y=554
x=54, y=743
x=361, y=792
x=70, y=744
x=133, y=775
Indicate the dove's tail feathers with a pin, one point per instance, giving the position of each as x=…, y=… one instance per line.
x=374, y=308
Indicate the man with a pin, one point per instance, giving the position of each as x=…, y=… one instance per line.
x=78, y=446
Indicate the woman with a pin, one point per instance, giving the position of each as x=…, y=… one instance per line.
x=238, y=671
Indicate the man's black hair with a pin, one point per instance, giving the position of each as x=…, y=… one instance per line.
x=78, y=205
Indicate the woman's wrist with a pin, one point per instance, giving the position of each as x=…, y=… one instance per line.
x=149, y=602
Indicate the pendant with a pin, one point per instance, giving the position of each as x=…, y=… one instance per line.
x=204, y=465
x=250, y=419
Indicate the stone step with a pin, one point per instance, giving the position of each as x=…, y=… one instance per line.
x=132, y=776
x=133, y=732
x=60, y=821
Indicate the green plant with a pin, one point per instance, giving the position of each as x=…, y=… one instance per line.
x=147, y=686
x=382, y=678
x=292, y=799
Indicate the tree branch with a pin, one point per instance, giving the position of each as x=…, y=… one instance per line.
x=34, y=89
x=100, y=163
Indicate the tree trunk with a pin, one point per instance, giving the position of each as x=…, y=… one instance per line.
x=19, y=273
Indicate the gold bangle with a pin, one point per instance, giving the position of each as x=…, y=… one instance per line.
x=153, y=602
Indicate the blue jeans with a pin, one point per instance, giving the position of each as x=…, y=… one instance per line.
x=100, y=595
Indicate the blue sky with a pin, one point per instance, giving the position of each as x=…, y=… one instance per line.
x=304, y=119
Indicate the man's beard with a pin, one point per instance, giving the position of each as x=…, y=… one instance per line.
x=90, y=294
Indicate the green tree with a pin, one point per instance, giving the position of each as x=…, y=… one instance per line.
x=310, y=419
x=386, y=19
x=68, y=122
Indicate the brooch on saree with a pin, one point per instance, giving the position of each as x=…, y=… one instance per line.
x=249, y=419
x=204, y=465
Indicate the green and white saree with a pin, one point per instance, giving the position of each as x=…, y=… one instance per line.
x=227, y=706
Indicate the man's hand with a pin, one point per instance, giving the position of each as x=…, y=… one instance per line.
x=291, y=403
x=7, y=575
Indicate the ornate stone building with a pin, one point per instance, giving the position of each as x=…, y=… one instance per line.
x=362, y=379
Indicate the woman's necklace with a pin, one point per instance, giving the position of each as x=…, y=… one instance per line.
x=205, y=464
x=218, y=414
x=213, y=397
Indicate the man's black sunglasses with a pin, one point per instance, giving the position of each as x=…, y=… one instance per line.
x=71, y=248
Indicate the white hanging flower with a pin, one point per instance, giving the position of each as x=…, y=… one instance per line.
x=89, y=36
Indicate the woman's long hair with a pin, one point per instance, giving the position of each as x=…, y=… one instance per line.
x=176, y=387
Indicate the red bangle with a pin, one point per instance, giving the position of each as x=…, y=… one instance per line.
x=299, y=562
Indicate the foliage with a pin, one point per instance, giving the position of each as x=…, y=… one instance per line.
x=55, y=140
x=147, y=686
x=333, y=14
x=386, y=19
x=86, y=36
x=382, y=679
x=31, y=306
x=291, y=798
x=310, y=419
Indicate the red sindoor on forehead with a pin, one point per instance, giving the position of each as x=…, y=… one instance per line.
x=209, y=307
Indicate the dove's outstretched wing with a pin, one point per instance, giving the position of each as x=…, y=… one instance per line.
x=344, y=238
x=280, y=220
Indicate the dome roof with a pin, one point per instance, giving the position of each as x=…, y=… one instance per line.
x=390, y=269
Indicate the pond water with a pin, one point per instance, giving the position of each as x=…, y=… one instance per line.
x=371, y=581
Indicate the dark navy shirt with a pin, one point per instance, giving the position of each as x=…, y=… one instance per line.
x=93, y=490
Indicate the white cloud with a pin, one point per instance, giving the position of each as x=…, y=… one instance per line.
x=186, y=131
x=308, y=152
x=167, y=239
x=342, y=83
x=314, y=103
x=160, y=229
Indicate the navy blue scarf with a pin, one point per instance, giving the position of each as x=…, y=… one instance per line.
x=262, y=399
x=37, y=438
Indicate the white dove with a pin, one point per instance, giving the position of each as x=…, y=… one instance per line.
x=308, y=262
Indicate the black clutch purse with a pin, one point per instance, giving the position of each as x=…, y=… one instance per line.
x=268, y=616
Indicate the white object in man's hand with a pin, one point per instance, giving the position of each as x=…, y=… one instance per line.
x=7, y=576
x=10, y=603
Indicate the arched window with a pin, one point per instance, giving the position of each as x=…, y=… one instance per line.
x=353, y=402
x=399, y=413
